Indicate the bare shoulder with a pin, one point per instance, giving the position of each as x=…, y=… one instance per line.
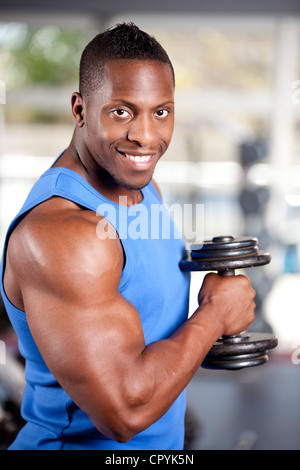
x=58, y=238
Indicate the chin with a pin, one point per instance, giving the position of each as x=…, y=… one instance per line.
x=134, y=187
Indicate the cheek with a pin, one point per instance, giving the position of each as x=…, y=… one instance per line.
x=98, y=135
x=110, y=132
x=168, y=132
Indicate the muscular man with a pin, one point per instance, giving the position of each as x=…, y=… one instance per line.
x=102, y=320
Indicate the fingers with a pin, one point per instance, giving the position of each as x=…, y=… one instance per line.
x=231, y=300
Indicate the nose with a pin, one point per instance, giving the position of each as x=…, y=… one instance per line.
x=142, y=130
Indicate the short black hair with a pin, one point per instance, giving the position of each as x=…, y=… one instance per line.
x=124, y=41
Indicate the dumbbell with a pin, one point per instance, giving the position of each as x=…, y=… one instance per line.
x=224, y=254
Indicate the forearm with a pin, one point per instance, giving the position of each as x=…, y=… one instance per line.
x=163, y=369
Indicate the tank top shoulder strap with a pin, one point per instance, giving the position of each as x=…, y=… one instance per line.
x=70, y=185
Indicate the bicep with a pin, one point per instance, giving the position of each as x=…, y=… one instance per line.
x=88, y=334
x=84, y=340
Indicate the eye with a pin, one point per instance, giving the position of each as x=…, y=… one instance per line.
x=121, y=113
x=161, y=113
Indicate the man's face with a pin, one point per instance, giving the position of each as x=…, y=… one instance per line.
x=129, y=121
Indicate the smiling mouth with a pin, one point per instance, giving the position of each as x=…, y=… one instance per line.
x=138, y=158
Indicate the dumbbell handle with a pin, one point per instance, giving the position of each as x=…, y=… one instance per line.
x=227, y=272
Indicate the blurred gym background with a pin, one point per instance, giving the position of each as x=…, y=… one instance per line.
x=236, y=149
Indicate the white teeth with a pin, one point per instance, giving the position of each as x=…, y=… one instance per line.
x=144, y=158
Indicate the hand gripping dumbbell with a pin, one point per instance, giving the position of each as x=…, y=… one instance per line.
x=224, y=254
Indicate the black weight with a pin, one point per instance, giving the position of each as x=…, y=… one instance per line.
x=221, y=264
x=225, y=247
x=225, y=254
x=236, y=362
x=224, y=243
x=240, y=351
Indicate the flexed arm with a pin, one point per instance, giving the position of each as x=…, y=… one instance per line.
x=91, y=337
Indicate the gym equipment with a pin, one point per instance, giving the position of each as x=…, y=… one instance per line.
x=224, y=254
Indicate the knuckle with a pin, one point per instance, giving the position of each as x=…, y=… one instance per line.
x=211, y=276
x=243, y=280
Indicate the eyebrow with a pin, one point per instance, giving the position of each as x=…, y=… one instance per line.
x=128, y=103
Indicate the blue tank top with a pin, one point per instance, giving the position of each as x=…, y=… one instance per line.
x=151, y=281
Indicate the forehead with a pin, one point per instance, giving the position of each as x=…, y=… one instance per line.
x=137, y=78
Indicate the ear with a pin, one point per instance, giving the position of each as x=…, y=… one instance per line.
x=78, y=108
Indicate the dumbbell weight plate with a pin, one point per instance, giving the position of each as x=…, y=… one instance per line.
x=225, y=242
x=223, y=263
x=237, y=352
x=236, y=362
x=225, y=254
